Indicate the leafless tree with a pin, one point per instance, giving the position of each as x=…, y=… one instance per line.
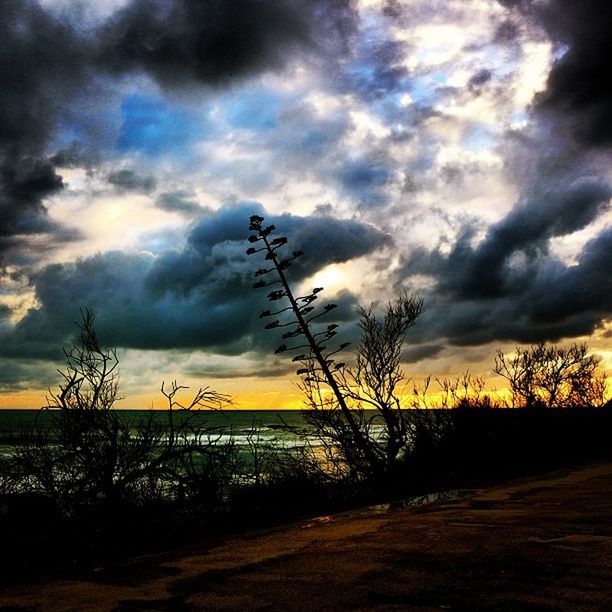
x=553, y=377
x=319, y=368
x=90, y=454
x=336, y=395
x=375, y=379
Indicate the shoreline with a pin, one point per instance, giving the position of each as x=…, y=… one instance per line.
x=541, y=542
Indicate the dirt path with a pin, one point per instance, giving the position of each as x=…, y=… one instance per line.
x=542, y=543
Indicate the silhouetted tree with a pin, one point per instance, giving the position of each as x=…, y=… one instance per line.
x=374, y=380
x=90, y=455
x=339, y=417
x=552, y=377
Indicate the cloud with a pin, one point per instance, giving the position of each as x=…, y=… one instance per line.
x=19, y=375
x=501, y=281
x=41, y=66
x=180, y=202
x=254, y=370
x=396, y=114
x=578, y=93
x=509, y=286
x=24, y=184
x=579, y=88
x=479, y=79
x=197, y=297
x=414, y=354
x=182, y=42
x=486, y=271
x=56, y=75
x=377, y=69
x=506, y=32
x=365, y=180
x=129, y=180
x=215, y=246
x=75, y=156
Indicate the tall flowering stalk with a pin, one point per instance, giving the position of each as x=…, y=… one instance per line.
x=319, y=366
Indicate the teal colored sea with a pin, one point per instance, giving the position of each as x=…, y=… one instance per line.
x=269, y=426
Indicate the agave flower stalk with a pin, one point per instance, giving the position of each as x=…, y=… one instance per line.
x=301, y=309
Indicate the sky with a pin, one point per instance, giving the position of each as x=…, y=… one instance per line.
x=459, y=149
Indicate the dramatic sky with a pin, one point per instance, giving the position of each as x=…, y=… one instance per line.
x=458, y=148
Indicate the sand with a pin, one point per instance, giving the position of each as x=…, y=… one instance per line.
x=540, y=543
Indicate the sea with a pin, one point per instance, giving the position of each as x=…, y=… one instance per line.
x=278, y=428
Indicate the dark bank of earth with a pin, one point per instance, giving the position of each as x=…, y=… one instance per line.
x=540, y=543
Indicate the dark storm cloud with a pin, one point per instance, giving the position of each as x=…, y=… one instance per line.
x=582, y=291
x=213, y=42
x=509, y=286
x=190, y=42
x=42, y=62
x=377, y=71
x=277, y=368
x=75, y=156
x=23, y=184
x=49, y=69
x=484, y=271
x=129, y=180
x=265, y=342
x=554, y=301
x=579, y=88
x=506, y=32
x=513, y=3
x=198, y=297
x=414, y=354
x=365, y=180
x=18, y=375
x=578, y=95
x=479, y=79
x=179, y=202
x=5, y=313
x=216, y=243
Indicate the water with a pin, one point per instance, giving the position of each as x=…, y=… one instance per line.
x=284, y=429
x=267, y=427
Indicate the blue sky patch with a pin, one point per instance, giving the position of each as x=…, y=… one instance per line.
x=155, y=127
x=253, y=110
x=477, y=140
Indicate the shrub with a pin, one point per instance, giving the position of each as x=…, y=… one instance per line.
x=544, y=376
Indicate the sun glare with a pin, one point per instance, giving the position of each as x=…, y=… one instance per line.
x=330, y=277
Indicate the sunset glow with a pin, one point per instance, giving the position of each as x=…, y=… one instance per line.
x=449, y=149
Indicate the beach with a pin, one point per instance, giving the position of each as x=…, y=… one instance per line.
x=538, y=543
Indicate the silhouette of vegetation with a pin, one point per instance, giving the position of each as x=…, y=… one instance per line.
x=360, y=422
x=373, y=384
x=89, y=456
x=464, y=391
x=86, y=482
x=355, y=410
x=107, y=486
x=318, y=366
x=542, y=376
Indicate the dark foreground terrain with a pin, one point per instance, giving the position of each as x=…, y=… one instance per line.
x=540, y=543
